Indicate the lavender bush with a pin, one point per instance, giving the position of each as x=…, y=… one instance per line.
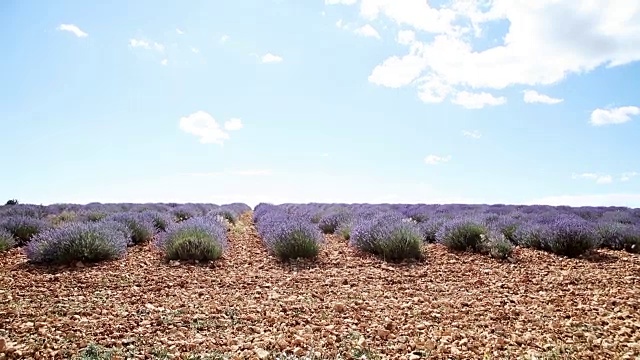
x=72, y=242
x=161, y=221
x=6, y=240
x=571, y=236
x=141, y=226
x=198, y=238
x=388, y=236
x=619, y=236
x=330, y=222
x=462, y=235
x=289, y=236
x=23, y=228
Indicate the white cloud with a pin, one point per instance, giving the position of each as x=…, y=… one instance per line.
x=344, y=2
x=270, y=58
x=144, y=44
x=396, y=72
x=367, y=31
x=341, y=24
x=474, y=134
x=195, y=50
x=406, y=37
x=205, y=127
x=532, y=96
x=134, y=43
x=599, y=178
x=179, y=32
x=224, y=38
x=542, y=44
x=72, y=29
x=435, y=159
x=233, y=124
x=628, y=176
x=619, y=115
x=164, y=62
x=477, y=100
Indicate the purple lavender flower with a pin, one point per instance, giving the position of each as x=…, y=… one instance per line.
x=87, y=242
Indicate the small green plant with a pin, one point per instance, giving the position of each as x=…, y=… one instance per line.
x=160, y=353
x=95, y=352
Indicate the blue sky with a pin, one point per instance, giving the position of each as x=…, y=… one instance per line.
x=331, y=101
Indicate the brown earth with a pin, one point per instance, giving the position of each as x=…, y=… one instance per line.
x=248, y=305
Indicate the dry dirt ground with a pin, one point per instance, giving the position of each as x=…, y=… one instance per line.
x=346, y=305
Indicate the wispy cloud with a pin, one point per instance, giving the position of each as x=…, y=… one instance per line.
x=179, y=31
x=206, y=128
x=144, y=44
x=479, y=100
x=532, y=96
x=367, y=31
x=598, y=178
x=72, y=29
x=164, y=62
x=628, y=176
x=233, y=124
x=195, y=50
x=270, y=58
x=248, y=172
x=474, y=134
x=619, y=115
x=436, y=159
x=224, y=38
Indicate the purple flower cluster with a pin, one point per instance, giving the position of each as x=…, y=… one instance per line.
x=198, y=238
x=287, y=235
x=86, y=242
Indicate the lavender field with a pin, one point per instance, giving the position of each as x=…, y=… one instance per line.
x=319, y=281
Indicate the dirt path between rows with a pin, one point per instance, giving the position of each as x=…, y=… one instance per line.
x=248, y=305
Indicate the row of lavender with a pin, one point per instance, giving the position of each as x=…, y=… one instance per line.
x=66, y=233
x=397, y=231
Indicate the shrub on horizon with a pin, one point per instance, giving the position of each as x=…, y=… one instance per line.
x=141, y=226
x=72, y=242
x=388, y=236
x=198, y=238
x=7, y=241
x=23, y=228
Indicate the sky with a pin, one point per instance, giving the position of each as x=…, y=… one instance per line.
x=367, y=101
